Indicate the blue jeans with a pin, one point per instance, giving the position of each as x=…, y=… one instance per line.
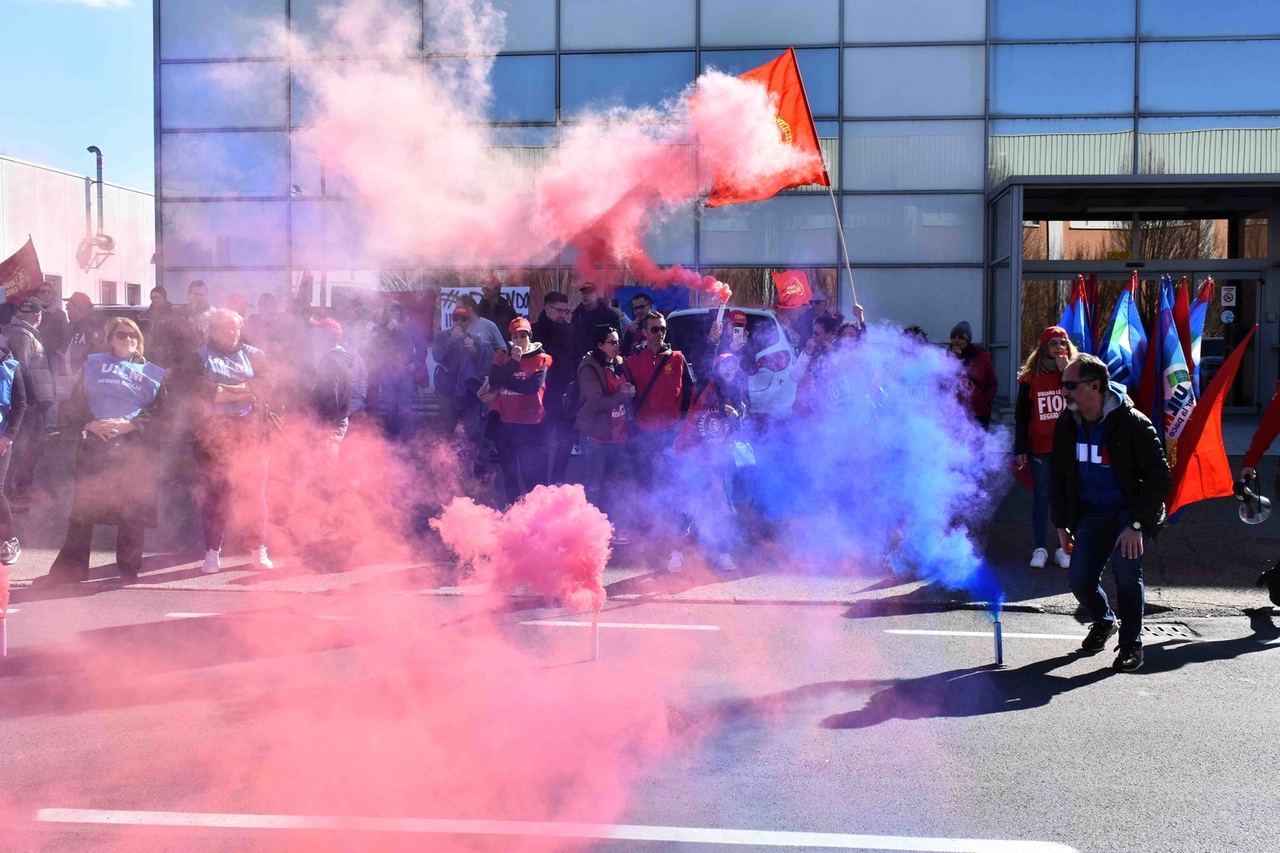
x=1095, y=543
x=600, y=460
x=1040, y=479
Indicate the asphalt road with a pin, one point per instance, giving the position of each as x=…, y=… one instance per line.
x=250, y=721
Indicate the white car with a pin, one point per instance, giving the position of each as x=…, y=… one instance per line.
x=772, y=391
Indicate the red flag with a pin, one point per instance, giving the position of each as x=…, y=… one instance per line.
x=795, y=124
x=20, y=274
x=793, y=289
x=1147, y=381
x=1202, y=470
x=1182, y=321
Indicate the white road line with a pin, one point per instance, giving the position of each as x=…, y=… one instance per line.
x=597, y=831
x=182, y=615
x=189, y=615
x=988, y=634
x=652, y=626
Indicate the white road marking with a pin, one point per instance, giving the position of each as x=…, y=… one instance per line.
x=182, y=615
x=544, y=829
x=189, y=615
x=988, y=634
x=652, y=626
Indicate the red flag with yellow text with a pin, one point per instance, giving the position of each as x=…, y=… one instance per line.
x=1202, y=470
x=795, y=124
x=20, y=273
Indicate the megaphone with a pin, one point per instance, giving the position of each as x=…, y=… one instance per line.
x=1254, y=508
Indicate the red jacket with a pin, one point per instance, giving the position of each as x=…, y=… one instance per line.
x=669, y=397
x=1040, y=401
x=978, y=382
x=520, y=386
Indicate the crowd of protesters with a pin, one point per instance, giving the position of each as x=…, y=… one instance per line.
x=582, y=379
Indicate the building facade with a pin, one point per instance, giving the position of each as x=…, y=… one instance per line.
x=954, y=130
x=51, y=208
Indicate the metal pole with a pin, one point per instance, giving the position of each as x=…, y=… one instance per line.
x=999, y=641
x=848, y=268
x=595, y=637
x=4, y=637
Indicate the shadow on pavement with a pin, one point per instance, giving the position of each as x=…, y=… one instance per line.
x=978, y=691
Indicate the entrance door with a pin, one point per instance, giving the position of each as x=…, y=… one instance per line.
x=1231, y=314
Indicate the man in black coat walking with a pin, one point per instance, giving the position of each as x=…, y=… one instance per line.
x=1108, y=482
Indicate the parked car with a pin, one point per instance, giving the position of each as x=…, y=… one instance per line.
x=770, y=355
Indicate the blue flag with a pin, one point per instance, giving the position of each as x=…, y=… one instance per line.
x=1174, y=397
x=1077, y=318
x=1124, y=346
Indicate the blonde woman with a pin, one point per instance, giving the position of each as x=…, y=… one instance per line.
x=114, y=401
x=1040, y=401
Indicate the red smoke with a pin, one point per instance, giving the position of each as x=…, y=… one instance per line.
x=551, y=542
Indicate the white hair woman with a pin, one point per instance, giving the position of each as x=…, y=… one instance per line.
x=114, y=402
x=230, y=441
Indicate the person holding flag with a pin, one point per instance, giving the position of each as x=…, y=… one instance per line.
x=1109, y=481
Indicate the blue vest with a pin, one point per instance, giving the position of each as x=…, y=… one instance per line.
x=117, y=388
x=8, y=369
x=232, y=369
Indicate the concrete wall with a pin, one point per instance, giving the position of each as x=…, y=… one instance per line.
x=48, y=205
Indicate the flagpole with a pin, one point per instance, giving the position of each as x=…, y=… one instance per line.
x=848, y=268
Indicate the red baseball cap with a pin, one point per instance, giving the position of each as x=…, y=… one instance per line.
x=737, y=318
x=1054, y=332
x=519, y=324
x=329, y=325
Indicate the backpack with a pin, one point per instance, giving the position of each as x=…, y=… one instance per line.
x=571, y=402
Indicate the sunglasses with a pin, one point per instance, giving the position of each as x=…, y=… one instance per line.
x=1057, y=342
x=654, y=330
x=610, y=342
x=1071, y=386
x=127, y=336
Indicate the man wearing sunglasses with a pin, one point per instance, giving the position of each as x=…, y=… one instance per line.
x=1108, y=483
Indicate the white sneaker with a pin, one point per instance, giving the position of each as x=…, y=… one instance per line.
x=1038, y=558
x=10, y=551
x=211, y=565
x=726, y=563
x=1062, y=558
x=261, y=560
x=675, y=563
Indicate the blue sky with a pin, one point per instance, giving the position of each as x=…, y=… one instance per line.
x=78, y=73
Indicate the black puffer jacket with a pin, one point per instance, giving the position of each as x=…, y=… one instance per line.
x=1137, y=457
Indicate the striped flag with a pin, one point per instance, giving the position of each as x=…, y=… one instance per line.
x=1176, y=398
x=1124, y=345
x=1077, y=318
x=1199, y=308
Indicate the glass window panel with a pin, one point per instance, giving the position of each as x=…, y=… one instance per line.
x=223, y=95
x=308, y=177
x=1014, y=20
x=1219, y=18
x=671, y=240
x=524, y=88
x=522, y=137
x=1210, y=76
x=747, y=22
x=913, y=81
x=914, y=20
x=1208, y=145
x=782, y=230
x=922, y=229
x=224, y=233
x=1001, y=227
x=224, y=164
x=305, y=104
x=400, y=32
x=327, y=234
x=531, y=24
x=935, y=299
x=1061, y=79
x=221, y=29
x=604, y=80
x=594, y=24
x=820, y=70
x=913, y=155
x=1073, y=146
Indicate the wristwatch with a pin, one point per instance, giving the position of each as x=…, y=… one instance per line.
x=1137, y=525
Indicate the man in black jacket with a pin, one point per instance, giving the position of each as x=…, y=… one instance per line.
x=1108, y=483
x=554, y=332
x=494, y=307
x=594, y=310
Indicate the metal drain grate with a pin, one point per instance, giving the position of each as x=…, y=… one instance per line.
x=1168, y=631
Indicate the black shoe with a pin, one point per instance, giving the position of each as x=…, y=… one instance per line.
x=1271, y=580
x=1129, y=659
x=1098, y=635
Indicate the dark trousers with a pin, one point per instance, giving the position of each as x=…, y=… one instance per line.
x=1040, y=479
x=1095, y=544
x=219, y=491
x=563, y=436
x=522, y=453
x=27, y=449
x=72, y=562
x=650, y=448
x=6, y=517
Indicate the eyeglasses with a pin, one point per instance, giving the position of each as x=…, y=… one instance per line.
x=127, y=336
x=1057, y=342
x=610, y=342
x=657, y=330
x=1071, y=386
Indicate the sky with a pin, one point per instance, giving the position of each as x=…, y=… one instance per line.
x=78, y=73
